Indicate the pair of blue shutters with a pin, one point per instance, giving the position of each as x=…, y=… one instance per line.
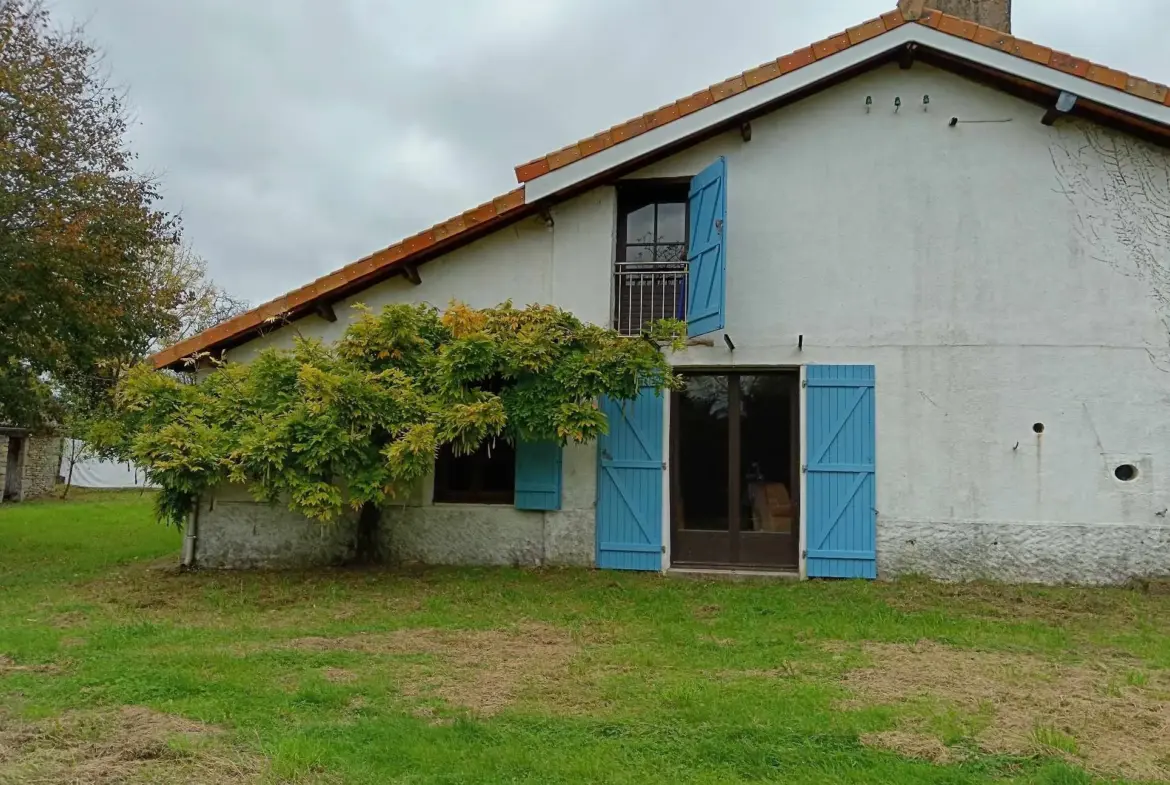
x=538, y=464
x=840, y=514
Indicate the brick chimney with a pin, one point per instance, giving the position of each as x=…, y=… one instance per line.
x=989, y=13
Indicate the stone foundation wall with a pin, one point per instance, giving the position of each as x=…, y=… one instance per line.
x=233, y=531
x=489, y=535
x=236, y=532
x=239, y=533
x=1020, y=552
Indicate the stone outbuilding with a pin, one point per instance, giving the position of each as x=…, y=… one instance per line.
x=31, y=463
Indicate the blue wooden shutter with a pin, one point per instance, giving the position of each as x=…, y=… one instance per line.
x=629, y=485
x=707, y=243
x=840, y=500
x=538, y=476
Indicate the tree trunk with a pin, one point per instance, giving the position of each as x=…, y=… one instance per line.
x=368, y=539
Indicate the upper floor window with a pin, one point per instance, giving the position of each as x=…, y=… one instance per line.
x=650, y=274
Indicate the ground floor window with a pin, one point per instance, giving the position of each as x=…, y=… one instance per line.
x=486, y=476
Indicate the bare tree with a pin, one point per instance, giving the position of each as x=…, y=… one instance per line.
x=200, y=303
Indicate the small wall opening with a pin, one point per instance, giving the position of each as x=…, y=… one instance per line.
x=13, y=468
x=1126, y=472
x=1038, y=427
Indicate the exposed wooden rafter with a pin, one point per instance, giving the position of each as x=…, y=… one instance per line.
x=325, y=311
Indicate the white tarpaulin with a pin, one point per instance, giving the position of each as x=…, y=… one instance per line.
x=89, y=472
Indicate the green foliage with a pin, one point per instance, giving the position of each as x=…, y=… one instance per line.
x=325, y=427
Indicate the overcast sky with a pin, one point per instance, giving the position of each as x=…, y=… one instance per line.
x=295, y=136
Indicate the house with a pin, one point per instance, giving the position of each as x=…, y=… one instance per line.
x=926, y=268
x=30, y=465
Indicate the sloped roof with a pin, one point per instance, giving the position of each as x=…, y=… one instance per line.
x=1142, y=102
x=909, y=11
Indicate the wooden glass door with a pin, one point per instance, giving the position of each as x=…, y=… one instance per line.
x=735, y=470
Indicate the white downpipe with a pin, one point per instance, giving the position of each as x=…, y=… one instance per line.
x=187, y=559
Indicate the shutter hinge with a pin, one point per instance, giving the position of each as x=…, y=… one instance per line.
x=664, y=549
x=664, y=466
x=803, y=382
x=804, y=554
x=804, y=468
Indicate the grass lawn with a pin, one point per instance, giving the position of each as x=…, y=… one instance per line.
x=114, y=667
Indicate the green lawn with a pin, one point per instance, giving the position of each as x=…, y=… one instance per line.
x=114, y=667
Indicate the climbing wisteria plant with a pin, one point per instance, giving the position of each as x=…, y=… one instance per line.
x=357, y=423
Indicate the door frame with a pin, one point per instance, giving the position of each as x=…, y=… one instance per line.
x=799, y=448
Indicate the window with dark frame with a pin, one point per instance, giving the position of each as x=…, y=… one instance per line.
x=487, y=476
x=650, y=274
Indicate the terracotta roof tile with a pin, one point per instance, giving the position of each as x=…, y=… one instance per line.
x=564, y=156
x=532, y=169
x=961, y=28
x=504, y=206
x=695, y=102
x=831, y=46
x=1069, y=64
x=1030, y=51
x=728, y=88
x=661, y=116
x=863, y=32
x=628, y=130
x=1151, y=91
x=420, y=241
x=989, y=36
x=798, y=59
x=513, y=200
x=1108, y=76
x=893, y=19
x=762, y=73
x=595, y=144
x=479, y=215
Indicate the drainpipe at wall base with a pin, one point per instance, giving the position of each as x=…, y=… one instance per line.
x=187, y=560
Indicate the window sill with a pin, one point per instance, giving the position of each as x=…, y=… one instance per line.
x=471, y=503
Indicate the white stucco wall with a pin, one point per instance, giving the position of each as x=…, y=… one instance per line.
x=997, y=273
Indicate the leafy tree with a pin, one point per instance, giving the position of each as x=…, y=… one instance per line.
x=356, y=424
x=80, y=236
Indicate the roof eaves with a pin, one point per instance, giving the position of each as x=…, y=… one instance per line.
x=1039, y=64
x=746, y=82
x=334, y=286
x=909, y=11
x=794, y=82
